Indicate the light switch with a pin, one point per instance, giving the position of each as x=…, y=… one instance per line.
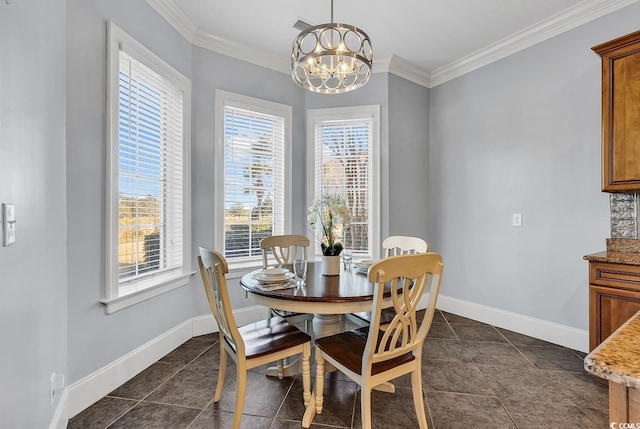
x=8, y=224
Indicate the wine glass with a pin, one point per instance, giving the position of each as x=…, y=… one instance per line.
x=300, y=270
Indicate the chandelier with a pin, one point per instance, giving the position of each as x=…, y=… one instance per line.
x=331, y=58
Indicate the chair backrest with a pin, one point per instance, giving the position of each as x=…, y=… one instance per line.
x=408, y=277
x=213, y=268
x=402, y=245
x=284, y=248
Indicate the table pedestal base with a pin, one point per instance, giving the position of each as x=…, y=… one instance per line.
x=323, y=326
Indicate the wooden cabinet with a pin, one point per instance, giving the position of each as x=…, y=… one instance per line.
x=614, y=296
x=620, y=113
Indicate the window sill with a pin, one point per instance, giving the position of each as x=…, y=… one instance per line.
x=239, y=269
x=135, y=297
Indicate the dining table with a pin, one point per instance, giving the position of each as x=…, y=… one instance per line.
x=326, y=297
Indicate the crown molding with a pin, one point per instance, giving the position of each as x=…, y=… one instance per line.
x=381, y=64
x=242, y=52
x=406, y=70
x=175, y=17
x=557, y=24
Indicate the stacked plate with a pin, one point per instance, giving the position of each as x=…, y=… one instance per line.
x=363, y=266
x=273, y=277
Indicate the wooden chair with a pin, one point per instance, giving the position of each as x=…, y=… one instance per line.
x=402, y=245
x=284, y=249
x=393, y=246
x=370, y=356
x=252, y=345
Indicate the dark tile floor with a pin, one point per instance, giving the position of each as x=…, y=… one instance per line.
x=474, y=376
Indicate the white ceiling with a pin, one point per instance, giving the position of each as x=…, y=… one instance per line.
x=426, y=41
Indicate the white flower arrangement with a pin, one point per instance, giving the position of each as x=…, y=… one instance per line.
x=330, y=211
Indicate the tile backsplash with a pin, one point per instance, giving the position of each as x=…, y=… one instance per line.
x=624, y=215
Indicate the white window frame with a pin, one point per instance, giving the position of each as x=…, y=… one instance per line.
x=117, y=295
x=225, y=98
x=316, y=117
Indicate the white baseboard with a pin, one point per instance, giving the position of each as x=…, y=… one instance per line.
x=573, y=338
x=81, y=394
x=206, y=324
x=61, y=415
x=91, y=388
x=95, y=386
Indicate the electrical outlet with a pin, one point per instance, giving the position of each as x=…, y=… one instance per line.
x=56, y=384
x=517, y=219
x=52, y=388
x=8, y=224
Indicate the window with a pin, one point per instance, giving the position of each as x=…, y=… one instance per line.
x=343, y=154
x=253, y=175
x=148, y=237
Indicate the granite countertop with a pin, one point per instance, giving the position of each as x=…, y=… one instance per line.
x=619, y=251
x=617, y=358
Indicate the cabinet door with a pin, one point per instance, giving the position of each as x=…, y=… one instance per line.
x=620, y=113
x=609, y=309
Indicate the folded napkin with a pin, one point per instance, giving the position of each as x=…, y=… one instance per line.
x=277, y=286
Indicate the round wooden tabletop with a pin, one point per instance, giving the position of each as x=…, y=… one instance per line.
x=347, y=293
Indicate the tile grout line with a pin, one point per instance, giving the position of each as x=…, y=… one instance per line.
x=293, y=380
x=120, y=416
x=199, y=414
x=527, y=359
x=495, y=395
x=539, y=370
x=138, y=402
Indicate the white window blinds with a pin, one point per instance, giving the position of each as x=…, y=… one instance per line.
x=343, y=166
x=150, y=172
x=254, y=180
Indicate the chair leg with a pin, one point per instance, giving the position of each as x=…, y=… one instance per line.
x=222, y=370
x=365, y=406
x=240, y=393
x=281, y=361
x=418, y=401
x=319, y=380
x=306, y=374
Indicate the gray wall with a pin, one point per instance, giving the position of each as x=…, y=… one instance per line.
x=408, y=159
x=213, y=71
x=518, y=136
x=522, y=135
x=33, y=292
x=95, y=338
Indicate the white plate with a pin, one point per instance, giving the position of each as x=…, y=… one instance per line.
x=260, y=277
x=274, y=272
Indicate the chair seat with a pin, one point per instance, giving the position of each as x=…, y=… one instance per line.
x=271, y=335
x=348, y=347
x=386, y=316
